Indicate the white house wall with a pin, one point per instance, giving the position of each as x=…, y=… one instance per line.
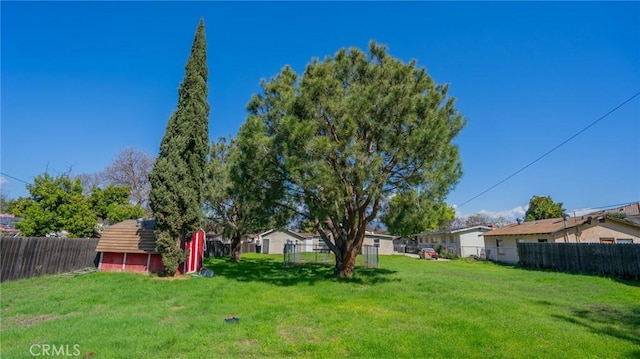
x=471, y=243
x=506, y=253
x=277, y=239
x=385, y=244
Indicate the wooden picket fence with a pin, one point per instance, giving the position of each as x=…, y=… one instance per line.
x=620, y=260
x=25, y=257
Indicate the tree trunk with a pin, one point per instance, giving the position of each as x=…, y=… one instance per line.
x=346, y=262
x=236, y=248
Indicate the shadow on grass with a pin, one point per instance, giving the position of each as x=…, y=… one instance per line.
x=270, y=271
x=604, y=320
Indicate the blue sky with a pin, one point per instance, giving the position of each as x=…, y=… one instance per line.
x=81, y=81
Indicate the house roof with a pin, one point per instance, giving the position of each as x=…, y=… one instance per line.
x=308, y=235
x=457, y=230
x=127, y=237
x=379, y=235
x=8, y=229
x=292, y=233
x=551, y=225
x=543, y=226
x=632, y=209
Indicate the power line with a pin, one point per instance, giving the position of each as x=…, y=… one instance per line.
x=613, y=206
x=553, y=149
x=10, y=176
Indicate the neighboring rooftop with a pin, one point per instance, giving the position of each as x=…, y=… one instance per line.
x=551, y=225
x=457, y=230
x=542, y=226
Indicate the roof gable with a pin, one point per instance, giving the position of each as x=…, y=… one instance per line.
x=289, y=232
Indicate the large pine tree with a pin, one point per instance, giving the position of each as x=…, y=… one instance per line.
x=177, y=178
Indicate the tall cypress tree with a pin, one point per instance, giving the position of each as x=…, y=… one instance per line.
x=177, y=179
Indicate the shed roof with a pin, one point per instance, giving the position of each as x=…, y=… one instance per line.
x=127, y=237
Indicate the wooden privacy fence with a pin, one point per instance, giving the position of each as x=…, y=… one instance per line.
x=621, y=260
x=29, y=257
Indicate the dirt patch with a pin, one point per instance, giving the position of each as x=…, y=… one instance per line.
x=248, y=342
x=177, y=307
x=297, y=334
x=169, y=320
x=29, y=321
x=178, y=277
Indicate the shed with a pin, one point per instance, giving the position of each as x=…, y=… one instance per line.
x=131, y=246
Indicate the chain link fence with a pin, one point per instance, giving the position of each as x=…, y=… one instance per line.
x=294, y=254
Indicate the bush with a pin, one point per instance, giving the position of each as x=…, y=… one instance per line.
x=443, y=253
x=172, y=254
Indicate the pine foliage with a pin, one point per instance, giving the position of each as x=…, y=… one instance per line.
x=177, y=179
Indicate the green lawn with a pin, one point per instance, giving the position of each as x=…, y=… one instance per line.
x=408, y=308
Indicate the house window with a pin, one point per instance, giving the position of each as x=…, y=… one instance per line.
x=542, y=240
x=500, y=246
x=606, y=240
x=624, y=241
x=376, y=242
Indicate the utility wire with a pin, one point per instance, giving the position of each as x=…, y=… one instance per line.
x=551, y=150
x=10, y=176
x=614, y=206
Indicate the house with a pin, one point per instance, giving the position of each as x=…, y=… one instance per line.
x=630, y=212
x=7, y=225
x=384, y=242
x=131, y=246
x=501, y=243
x=463, y=242
x=273, y=241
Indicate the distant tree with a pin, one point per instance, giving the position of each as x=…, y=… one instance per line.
x=410, y=213
x=55, y=204
x=89, y=181
x=5, y=202
x=131, y=167
x=480, y=219
x=178, y=176
x=235, y=201
x=111, y=204
x=543, y=208
x=306, y=226
x=352, y=130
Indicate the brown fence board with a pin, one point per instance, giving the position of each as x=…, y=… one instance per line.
x=29, y=257
x=621, y=260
